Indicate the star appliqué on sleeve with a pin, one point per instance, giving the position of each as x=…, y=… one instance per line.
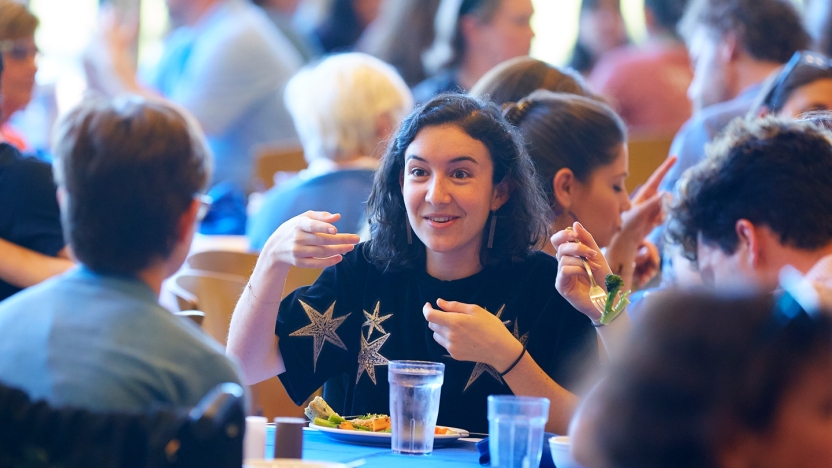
x=322, y=328
x=369, y=357
x=481, y=367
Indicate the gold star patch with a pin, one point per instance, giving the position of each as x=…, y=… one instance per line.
x=481, y=367
x=321, y=328
x=374, y=321
x=369, y=357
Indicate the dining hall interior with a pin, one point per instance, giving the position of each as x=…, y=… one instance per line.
x=569, y=233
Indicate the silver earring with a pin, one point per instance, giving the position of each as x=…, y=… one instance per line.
x=409, y=232
x=492, y=227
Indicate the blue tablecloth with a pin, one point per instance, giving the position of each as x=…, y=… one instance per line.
x=317, y=446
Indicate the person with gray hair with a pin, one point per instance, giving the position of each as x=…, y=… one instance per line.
x=343, y=108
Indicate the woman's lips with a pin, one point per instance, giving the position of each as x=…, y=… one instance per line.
x=440, y=221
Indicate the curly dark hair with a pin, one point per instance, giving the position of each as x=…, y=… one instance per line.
x=524, y=223
x=769, y=30
x=700, y=370
x=774, y=172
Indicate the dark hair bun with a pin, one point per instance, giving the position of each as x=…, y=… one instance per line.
x=514, y=113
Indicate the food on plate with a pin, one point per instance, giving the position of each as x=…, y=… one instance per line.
x=321, y=414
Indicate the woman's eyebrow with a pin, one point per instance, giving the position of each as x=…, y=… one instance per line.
x=454, y=160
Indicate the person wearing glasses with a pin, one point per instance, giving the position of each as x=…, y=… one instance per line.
x=734, y=45
x=804, y=85
x=728, y=381
x=129, y=174
x=17, y=44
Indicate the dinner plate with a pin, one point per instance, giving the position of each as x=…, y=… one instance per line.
x=287, y=463
x=383, y=438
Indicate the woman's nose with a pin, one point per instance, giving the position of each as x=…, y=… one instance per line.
x=437, y=193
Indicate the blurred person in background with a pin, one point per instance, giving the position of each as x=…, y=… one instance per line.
x=516, y=78
x=225, y=63
x=130, y=172
x=579, y=147
x=346, y=20
x=472, y=37
x=32, y=246
x=282, y=12
x=734, y=45
x=647, y=84
x=728, y=381
x=600, y=29
x=413, y=19
x=817, y=16
x=804, y=85
x=17, y=43
x=344, y=109
x=757, y=203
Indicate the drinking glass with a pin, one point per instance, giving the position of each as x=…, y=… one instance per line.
x=414, y=404
x=515, y=430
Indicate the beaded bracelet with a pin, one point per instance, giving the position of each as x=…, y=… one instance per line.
x=503, y=374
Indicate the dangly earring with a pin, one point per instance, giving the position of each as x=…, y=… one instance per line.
x=409, y=232
x=491, y=228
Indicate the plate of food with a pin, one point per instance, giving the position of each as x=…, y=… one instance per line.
x=369, y=429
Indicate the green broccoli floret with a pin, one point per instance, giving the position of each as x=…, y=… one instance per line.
x=614, y=283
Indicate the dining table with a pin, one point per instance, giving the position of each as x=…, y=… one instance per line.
x=319, y=447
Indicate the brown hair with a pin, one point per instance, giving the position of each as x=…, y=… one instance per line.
x=566, y=131
x=130, y=168
x=518, y=77
x=16, y=21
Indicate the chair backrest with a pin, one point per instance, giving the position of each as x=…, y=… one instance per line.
x=223, y=261
x=298, y=277
x=216, y=295
x=36, y=434
x=195, y=316
x=271, y=159
x=646, y=154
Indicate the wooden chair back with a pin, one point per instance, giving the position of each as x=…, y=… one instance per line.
x=216, y=295
x=646, y=154
x=223, y=261
x=271, y=159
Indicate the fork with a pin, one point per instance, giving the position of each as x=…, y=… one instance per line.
x=597, y=295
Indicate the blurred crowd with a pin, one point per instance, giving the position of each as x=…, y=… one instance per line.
x=727, y=246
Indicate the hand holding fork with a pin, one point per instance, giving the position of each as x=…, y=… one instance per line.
x=580, y=267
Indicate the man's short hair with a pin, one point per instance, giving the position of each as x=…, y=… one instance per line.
x=773, y=172
x=768, y=30
x=16, y=21
x=129, y=169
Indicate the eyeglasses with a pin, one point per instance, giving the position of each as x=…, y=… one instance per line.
x=774, y=88
x=204, y=205
x=18, y=49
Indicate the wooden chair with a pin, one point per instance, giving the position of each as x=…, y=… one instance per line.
x=223, y=261
x=274, y=158
x=195, y=316
x=216, y=294
x=646, y=154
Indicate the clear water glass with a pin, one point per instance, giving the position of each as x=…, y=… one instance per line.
x=415, y=387
x=515, y=430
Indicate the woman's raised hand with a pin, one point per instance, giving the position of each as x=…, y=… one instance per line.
x=572, y=281
x=309, y=240
x=471, y=333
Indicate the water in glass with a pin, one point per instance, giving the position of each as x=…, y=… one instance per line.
x=414, y=405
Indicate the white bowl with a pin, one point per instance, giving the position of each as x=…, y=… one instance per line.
x=560, y=448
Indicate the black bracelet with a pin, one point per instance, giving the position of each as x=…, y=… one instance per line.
x=503, y=374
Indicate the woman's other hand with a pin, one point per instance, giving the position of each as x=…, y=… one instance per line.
x=572, y=281
x=471, y=333
x=309, y=240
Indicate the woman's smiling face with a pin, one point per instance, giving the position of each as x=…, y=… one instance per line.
x=449, y=191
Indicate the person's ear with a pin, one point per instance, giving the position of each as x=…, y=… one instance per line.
x=563, y=184
x=728, y=48
x=500, y=195
x=749, y=242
